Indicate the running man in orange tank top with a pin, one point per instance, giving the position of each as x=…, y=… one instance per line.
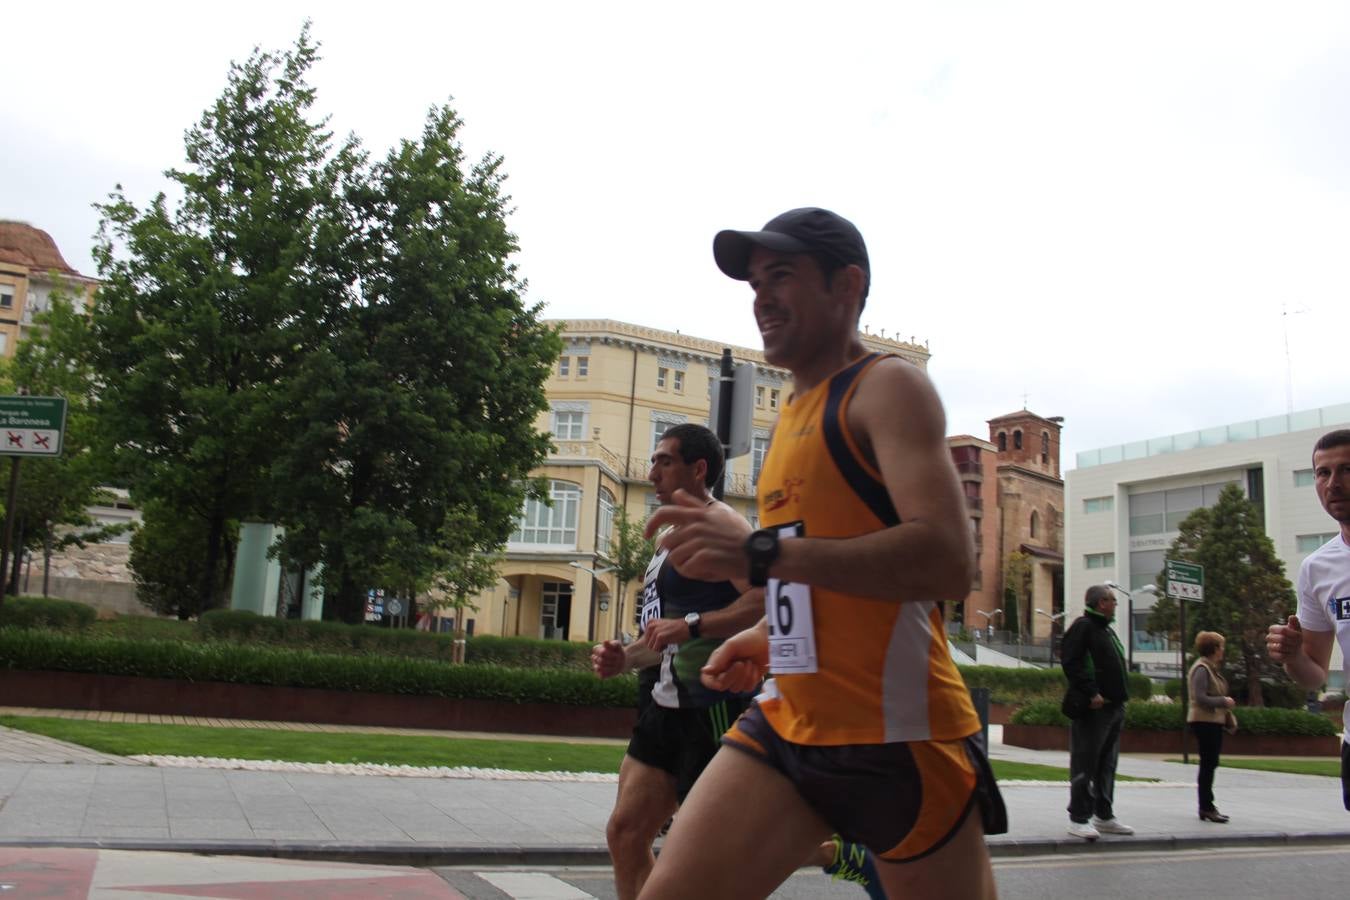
x=865, y=727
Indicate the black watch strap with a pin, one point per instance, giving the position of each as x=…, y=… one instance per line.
x=762, y=549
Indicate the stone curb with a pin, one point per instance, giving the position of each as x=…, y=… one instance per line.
x=428, y=855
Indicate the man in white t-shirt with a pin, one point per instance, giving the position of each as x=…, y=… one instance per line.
x=1304, y=644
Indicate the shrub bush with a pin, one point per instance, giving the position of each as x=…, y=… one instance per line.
x=239, y=626
x=1017, y=686
x=1281, y=692
x=37, y=650
x=45, y=612
x=1169, y=717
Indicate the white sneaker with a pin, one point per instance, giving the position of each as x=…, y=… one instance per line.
x=1083, y=830
x=1111, y=826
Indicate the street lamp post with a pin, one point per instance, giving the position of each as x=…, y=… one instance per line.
x=595, y=575
x=1129, y=617
x=1057, y=617
x=989, y=619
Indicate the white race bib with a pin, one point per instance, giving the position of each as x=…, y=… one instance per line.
x=651, y=598
x=792, y=629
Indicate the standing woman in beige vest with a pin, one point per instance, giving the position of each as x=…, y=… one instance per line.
x=1210, y=715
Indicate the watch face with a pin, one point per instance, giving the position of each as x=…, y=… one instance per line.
x=762, y=543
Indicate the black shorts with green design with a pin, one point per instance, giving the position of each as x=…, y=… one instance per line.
x=682, y=741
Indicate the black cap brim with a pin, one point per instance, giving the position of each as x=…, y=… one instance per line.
x=731, y=249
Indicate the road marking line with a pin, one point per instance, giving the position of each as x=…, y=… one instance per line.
x=533, y=886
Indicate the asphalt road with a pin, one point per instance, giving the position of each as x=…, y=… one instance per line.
x=1232, y=874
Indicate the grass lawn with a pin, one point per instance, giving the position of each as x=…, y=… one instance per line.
x=308, y=746
x=125, y=739
x=1329, y=767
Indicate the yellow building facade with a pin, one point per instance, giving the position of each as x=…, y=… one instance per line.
x=613, y=391
x=31, y=268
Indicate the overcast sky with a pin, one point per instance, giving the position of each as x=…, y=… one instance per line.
x=1122, y=213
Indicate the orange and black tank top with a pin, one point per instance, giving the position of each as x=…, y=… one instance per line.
x=883, y=673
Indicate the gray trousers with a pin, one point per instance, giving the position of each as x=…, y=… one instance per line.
x=1095, y=742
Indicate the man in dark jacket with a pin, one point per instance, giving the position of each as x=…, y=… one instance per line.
x=1094, y=663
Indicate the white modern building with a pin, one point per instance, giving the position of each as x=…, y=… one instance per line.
x=1123, y=506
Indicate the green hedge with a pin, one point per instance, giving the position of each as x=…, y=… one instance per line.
x=39, y=650
x=1170, y=716
x=1017, y=686
x=1282, y=693
x=45, y=612
x=239, y=626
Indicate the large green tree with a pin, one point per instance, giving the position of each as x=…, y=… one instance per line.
x=54, y=494
x=632, y=552
x=205, y=306
x=412, y=415
x=1245, y=585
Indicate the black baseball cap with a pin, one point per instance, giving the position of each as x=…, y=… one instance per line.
x=806, y=230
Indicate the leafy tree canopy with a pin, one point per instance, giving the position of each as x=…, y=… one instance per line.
x=1245, y=585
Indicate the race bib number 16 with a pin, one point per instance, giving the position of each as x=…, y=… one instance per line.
x=792, y=632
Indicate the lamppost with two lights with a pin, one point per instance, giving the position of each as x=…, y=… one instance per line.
x=1129, y=617
x=595, y=576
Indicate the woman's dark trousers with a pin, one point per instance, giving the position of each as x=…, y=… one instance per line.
x=1209, y=735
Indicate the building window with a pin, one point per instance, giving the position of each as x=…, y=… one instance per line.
x=759, y=396
x=662, y=376
x=556, y=525
x=1045, y=446
x=1307, y=543
x=1099, y=504
x=6, y=297
x=604, y=528
x=1303, y=477
x=1017, y=440
x=564, y=366
x=569, y=426
x=758, y=448
x=659, y=427
x=1002, y=442
x=583, y=366
x=773, y=398
x=1033, y=523
x=1100, y=560
x=679, y=382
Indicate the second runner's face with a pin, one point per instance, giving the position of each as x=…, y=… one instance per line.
x=795, y=311
x=670, y=472
x=1331, y=477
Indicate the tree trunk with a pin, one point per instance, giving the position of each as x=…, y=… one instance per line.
x=1255, y=697
x=46, y=559
x=349, y=604
x=207, y=591
x=16, y=561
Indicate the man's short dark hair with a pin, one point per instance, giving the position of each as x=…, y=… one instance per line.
x=697, y=442
x=1338, y=438
x=1095, y=595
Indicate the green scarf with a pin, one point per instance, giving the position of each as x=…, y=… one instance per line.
x=1115, y=639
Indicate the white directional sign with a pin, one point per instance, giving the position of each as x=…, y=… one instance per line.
x=1185, y=581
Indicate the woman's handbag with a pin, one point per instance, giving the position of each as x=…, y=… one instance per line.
x=1230, y=723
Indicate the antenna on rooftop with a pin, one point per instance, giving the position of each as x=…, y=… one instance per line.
x=1285, y=313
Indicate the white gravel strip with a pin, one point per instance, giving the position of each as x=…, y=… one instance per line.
x=271, y=765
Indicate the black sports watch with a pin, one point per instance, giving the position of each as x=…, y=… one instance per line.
x=762, y=548
x=693, y=620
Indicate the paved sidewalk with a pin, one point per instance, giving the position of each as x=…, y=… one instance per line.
x=87, y=802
